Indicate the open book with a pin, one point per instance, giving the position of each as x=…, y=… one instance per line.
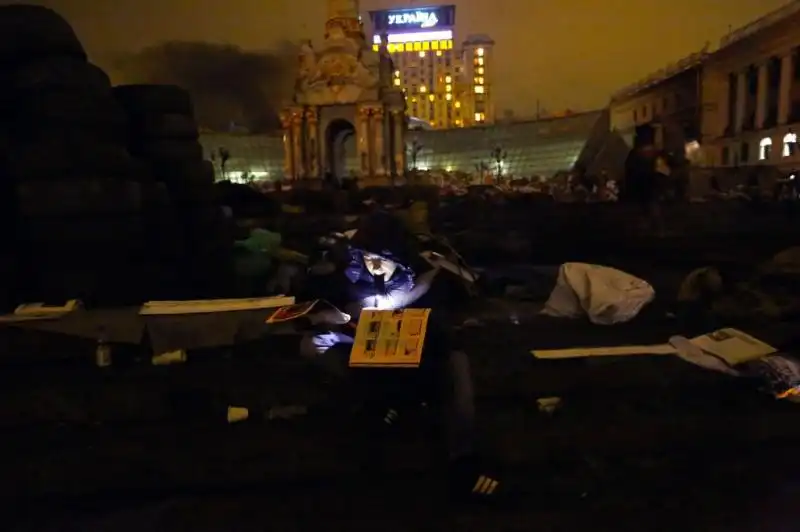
x=390, y=338
x=292, y=312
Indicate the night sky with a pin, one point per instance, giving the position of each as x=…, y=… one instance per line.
x=567, y=53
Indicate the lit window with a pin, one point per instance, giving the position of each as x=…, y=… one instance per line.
x=458, y=105
x=449, y=45
x=375, y=47
x=409, y=46
x=413, y=100
x=479, y=51
x=448, y=88
x=477, y=116
x=479, y=89
x=438, y=53
x=458, y=122
x=765, y=148
x=397, y=73
x=417, y=46
x=422, y=54
x=448, y=97
x=480, y=71
x=443, y=45
x=789, y=144
x=396, y=82
x=448, y=79
x=480, y=81
x=431, y=97
x=480, y=61
x=426, y=45
x=423, y=89
x=435, y=46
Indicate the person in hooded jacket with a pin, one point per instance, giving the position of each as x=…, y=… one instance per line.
x=374, y=274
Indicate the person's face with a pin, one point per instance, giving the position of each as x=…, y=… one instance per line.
x=379, y=266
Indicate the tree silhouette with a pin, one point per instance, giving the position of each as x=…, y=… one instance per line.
x=499, y=156
x=224, y=156
x=414, y=150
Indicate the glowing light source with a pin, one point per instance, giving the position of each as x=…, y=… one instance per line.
x=765, y=148
x=444, y=35
x=789, y=144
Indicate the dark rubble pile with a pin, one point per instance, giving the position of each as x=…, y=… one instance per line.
x=190, y=233
x=81, y=199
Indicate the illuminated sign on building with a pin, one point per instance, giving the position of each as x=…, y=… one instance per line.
x=407, y=20
x=422, y=19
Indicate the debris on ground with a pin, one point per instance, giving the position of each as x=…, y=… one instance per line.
x=605, y=295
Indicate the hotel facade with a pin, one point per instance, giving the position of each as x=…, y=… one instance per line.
x=447, y=84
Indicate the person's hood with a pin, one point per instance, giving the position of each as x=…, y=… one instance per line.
x=356, y=271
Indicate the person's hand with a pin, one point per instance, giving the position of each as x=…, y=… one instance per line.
x=328, y=317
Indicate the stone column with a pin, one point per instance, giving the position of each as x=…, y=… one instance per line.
x=364, y=142
x=785, y=90
x=378, y=133
x=297, y=144
x=741, y=99
x=288, y=146
x=761, y=96
x=399, y=141
x=312, y=142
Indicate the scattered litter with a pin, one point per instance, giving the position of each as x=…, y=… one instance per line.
x=286, y=412
x=605, y=295
x=41, y=311
x=730, y=346
x=204, y=306
x=102, y=354
x=170, y=357
x=738, y=354
x=237, y=414
x=548, y=405
x=618, y=350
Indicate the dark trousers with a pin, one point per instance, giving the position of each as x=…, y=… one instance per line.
x=443, y=381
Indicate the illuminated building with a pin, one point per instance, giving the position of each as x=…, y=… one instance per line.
x=735, y=106
x=751, y=94
x=445, y=85
x=663, y=108
x=532, y=147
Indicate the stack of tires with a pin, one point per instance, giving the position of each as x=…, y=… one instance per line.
x=71, y=192
x=163, y=133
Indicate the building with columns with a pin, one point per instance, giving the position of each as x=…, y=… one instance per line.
x=751, y=94
x=344, y=89
x=662, y=109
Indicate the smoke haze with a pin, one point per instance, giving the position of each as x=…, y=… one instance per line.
x=228, y=85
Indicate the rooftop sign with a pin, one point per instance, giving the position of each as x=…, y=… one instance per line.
x=423, y=18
